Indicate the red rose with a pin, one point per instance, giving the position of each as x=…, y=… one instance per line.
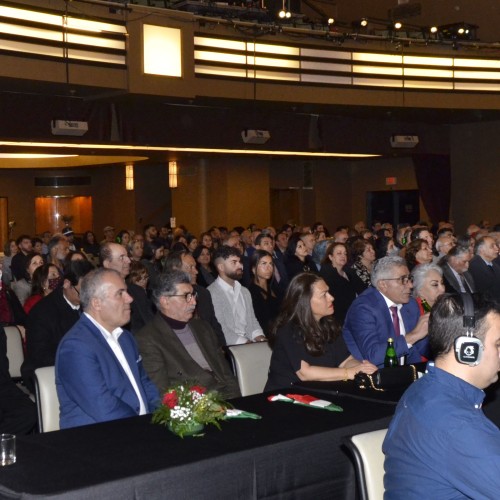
x=199, y=389
x=170, y=399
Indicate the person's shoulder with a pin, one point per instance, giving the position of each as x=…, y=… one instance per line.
x=476, y=263
x=370, y=296
x=201, y=291
x=47, y=302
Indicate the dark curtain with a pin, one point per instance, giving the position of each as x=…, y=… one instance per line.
x=433, y=175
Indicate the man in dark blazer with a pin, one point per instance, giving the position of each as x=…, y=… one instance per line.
x=387, y=310
x=51, y=318
x=17, y=411
x=484, y=269
x=175, y=347
x=456, y=276
x=99, y=373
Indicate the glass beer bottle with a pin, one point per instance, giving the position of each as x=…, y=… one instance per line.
x=391, y=358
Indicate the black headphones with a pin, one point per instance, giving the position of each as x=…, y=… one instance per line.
x=468, y=348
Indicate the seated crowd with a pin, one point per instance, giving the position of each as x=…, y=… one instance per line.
x=162, y=304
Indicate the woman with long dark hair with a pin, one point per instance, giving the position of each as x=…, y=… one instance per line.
x=22, y=288
x=339, y=278
x=297, y=259
x=206, y=270
x=46, y=279
x=307, y=342
x=264, y=300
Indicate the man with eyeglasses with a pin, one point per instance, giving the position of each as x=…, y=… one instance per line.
x=387, y=310
x=50, y=319
x=182, y=260
x=177, y=347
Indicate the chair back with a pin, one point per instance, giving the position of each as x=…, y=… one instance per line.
x=15, y=353
x=369, y=463
x=47, y=402
x=251, y=366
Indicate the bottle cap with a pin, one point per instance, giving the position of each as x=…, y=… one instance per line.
x=390, y=339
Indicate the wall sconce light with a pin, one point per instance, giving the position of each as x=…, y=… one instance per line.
x=172, y=174
x=129, y=176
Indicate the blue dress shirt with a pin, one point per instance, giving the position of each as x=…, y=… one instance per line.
x=440, y=445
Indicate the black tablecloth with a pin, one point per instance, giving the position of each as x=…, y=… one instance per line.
x=292, y=452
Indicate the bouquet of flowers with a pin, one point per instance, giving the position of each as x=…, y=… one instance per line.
x=186, y=409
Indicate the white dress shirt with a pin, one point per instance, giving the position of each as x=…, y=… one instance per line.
x=112, y=340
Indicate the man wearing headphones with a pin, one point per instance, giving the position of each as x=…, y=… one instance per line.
x=440, y=444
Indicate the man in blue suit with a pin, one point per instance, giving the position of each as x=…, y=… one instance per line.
x=384, y=310
x=99, y=373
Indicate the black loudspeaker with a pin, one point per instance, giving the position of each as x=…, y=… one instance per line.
x=468, y=349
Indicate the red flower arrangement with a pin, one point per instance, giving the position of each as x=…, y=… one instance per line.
x=187, y=408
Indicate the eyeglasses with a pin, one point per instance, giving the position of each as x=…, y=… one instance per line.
x=189, y=296
x=74, y=288
x=402, y=279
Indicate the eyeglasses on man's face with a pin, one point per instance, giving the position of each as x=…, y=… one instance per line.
x=188, y=297
x=403, y=280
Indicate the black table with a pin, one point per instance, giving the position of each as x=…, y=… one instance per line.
x=292, y=452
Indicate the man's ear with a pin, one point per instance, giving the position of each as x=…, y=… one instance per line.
x=382, y=286
x=95, y=303
x=67, y=284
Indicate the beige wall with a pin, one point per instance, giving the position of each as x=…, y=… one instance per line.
x=221, y=191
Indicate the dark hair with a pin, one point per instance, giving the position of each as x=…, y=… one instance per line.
x=381, y=246
x=415, y=234
x=255, y=259
x=446, y=321
x=178, y=246
x=224, y=252
x=77, y=269
x=119, y=236
x=6, y=247
x=36, y=240
x=137, y=271
x=173, y=262
x=27, y=262
x=190, y=237
x=296, y=309
x=293, y=241
x=151, y=247
x=40, y=276
x=358, y=247
x=167, y=283
x=260, y=236
x=411, y=252
x=330, y=249
x=197, y=251
x=206, y=233
x=21, y=238
x=86, y=235
x=146, y=227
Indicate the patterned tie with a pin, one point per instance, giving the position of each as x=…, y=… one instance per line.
x=395, y=320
